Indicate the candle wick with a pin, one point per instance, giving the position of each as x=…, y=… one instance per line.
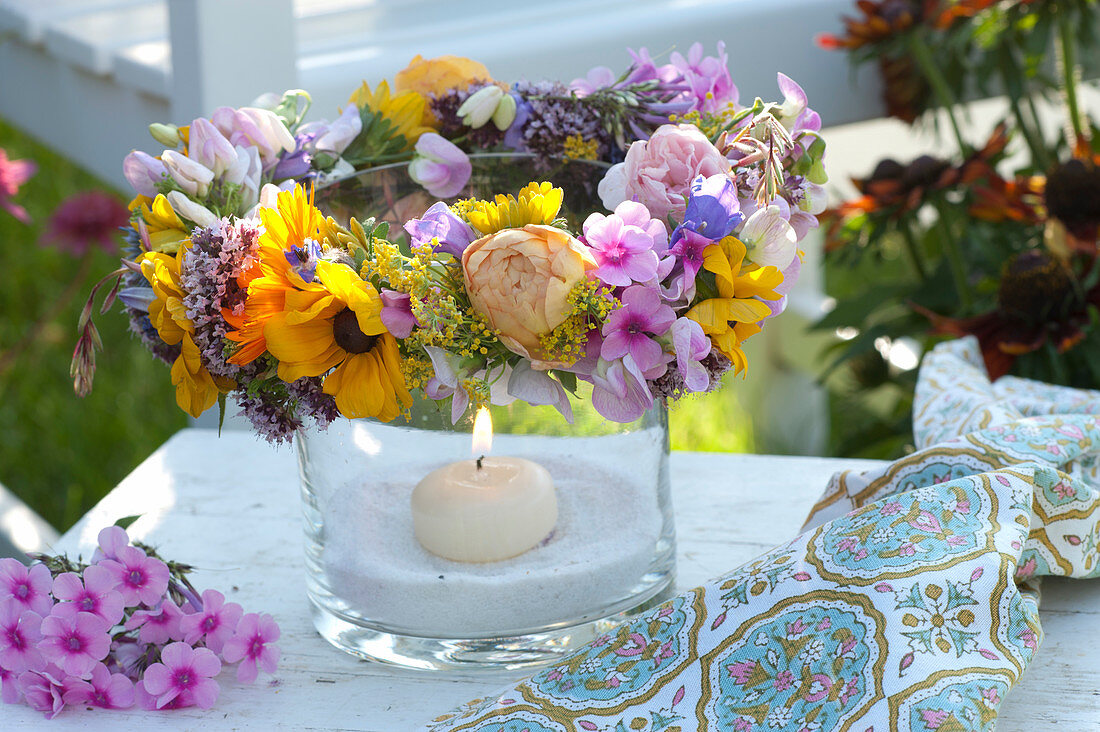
x=479, y=462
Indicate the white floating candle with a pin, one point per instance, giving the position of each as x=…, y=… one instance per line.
x=484, y=509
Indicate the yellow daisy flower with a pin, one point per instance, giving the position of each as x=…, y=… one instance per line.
x=340, y=328
x=406, y=111
x=538, y=203
x=166, y=231
x=735, y=314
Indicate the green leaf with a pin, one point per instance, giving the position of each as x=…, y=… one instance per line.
x=125, y=522
x=221, y=412
x=568, y=381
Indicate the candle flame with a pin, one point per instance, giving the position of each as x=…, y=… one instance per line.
x=483, y=432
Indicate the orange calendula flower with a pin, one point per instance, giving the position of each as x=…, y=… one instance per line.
x=291, y=226
x=339, y=328
x=735, y=314
x=428, y=76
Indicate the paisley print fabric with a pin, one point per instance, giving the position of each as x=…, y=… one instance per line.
x=910, y=602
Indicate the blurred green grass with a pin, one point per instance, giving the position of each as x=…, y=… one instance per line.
x=60, y=454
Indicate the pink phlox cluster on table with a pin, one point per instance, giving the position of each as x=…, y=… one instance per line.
x=127, y=628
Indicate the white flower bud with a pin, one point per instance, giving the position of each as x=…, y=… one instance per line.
x=479, y=108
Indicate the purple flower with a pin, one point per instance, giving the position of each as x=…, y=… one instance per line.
x=142, y=579
x=96, y=594
x=43, y=691
x=795, y=113
x=253, y=644
x=110, y=540
x=296, y=163
x=20, y=632
x=625, y=244
x=105, y=690
x=158, y=626
x=143, y=172
x=28, y=586
x=514, y=137
x=215, y=622
x=691, y=346
x=303, y=259
x=598, y=77
x=440, y=166
x=630, y=330
x=397, y=314
x=74, y=641
x=687, y=252
x=440, y=223
x=708, y=77
x=87, y=219
x=712, y=208
x=619, y=390
x=184, y=673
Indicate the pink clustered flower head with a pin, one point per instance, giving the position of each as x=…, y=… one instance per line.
x=86, y=220
x=127, y=628
x=13, y=174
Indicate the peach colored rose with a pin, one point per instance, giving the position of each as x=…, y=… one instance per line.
x=520, y=280
x=428, y=76
x=658, y=172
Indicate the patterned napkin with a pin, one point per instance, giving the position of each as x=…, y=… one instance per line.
x=910, y=602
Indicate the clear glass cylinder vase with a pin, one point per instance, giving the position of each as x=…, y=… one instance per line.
x=377, y=593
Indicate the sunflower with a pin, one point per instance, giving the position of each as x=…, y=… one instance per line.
x=289, y=231
x=408, y=111
x=196, y=389
x=339, y=328
x=538, y=203
x=735, y=314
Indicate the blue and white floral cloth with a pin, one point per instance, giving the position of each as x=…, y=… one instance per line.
x=910, y=602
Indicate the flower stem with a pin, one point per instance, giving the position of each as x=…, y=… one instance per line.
x=1032, y=133
x=923, y=56
x=955, y=261
x=1067, y=60
x=913, y=248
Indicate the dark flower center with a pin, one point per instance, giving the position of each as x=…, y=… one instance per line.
x=346, y=332
x=1035, y=288
x=136, y=577
x=183, y=678
x=256, y=648
x=75, y=643
x=1073, y=196
x=210, y=623
x=22, y=590
x=88, y=603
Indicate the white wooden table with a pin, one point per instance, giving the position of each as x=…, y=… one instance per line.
x=230, y=506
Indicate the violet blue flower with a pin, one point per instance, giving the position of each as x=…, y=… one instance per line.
x=159, y=625
x=105, y=690
x=143, y=172
x=440, y=166
x=253, y=644
x=28, y=586
x=184, y=673
x=95, y=594
x=513, y=137
x=439, y=222
x=74, y=641
x=692, y=346
x=397, y=314
x=631, y=328
x=619, y=390
x=20, y=632
x=296, y=163
x=626, y=252
x=43, y=691
x=214, y=624
x=712, y=208
x=303, y=259
x=707, y=76
x=142, y=579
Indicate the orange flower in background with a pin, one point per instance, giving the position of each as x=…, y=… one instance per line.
x=289, y=227
x=438, y=75
x=1020, y=200
x=882, y=19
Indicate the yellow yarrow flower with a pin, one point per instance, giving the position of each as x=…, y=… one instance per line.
x=538, y=203
x=339, y=328
x=406, y=111
x=735, y=314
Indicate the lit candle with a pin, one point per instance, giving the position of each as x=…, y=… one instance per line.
x=485, y=509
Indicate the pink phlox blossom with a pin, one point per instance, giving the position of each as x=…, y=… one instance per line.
x=184, y=673
x=215, y=623
x=44, y=690
x=632, y=328
x=109, y=541
x=9, y=687
x=104, y=690
x=95, y=594
x=158, y=625
x=142, y=579
x=707, y=76
x=74, y=641
x=626, y=244
x=28, y=586
x=253, y=644
x=20, y=633
x=14, y=173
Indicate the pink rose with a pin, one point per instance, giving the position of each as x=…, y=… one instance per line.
x=658, y=172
